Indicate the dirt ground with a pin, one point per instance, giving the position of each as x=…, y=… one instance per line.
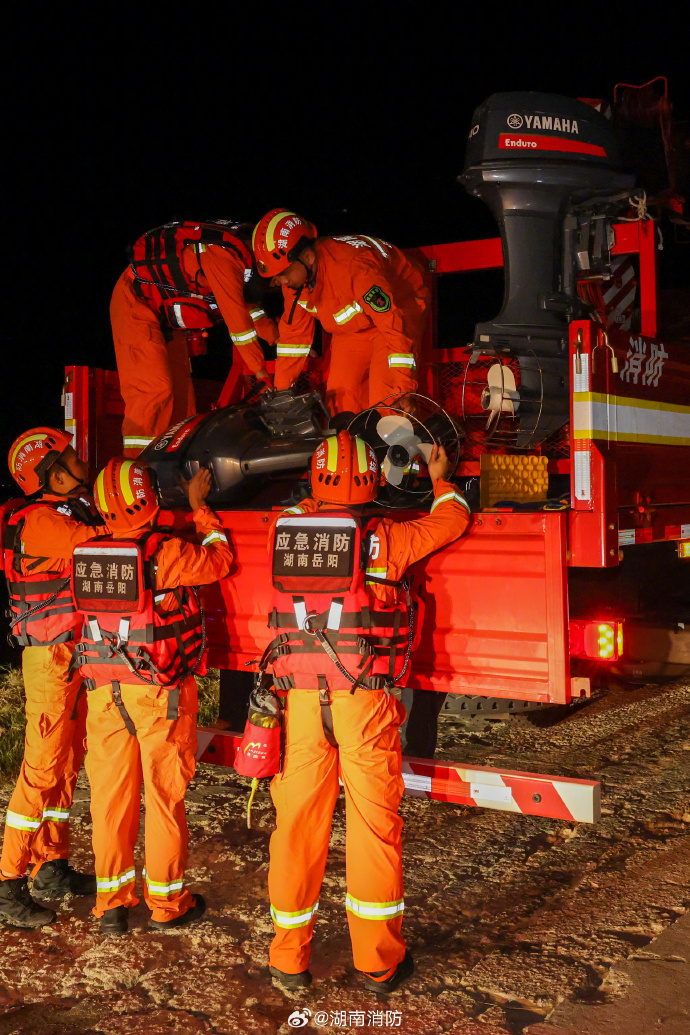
x=507, y=915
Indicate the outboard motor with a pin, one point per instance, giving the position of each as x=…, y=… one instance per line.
x=534, y=159
x=242, y=446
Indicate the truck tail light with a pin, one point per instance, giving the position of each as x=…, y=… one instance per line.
x=598, y=640
x=684, y=549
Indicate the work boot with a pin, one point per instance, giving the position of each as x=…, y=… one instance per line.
x=377, y=981
x=291, y=981
x=56, y=878
x=18, y=908
x=115, y=920
x=195, y=912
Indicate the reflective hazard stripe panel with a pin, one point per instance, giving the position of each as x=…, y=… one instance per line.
x=377, y=573
x=118, y=881
x=292, y=350
x=374, y=910
x=158, y=887
x=402, y=359
x=241, y=339
x=137, y=441
x=347, y=313
x=300, y=918
x=257, y=314
x=449, y=496
x=56, y=815
x=214, y=537
x=14, y=819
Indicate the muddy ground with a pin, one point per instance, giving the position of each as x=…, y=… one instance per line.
x=507, y=915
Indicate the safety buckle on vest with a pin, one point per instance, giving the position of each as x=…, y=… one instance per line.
x=306, y=623
x=113, y=643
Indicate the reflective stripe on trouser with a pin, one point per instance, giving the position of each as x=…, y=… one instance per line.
x=161, y=756
x=36, y=825
x=366, y=727
x=155, y=377
x=359, y=374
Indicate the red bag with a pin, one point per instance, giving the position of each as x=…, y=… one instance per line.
x=259, y=754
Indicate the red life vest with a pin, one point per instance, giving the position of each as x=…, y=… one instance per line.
x=160, y=278
x=41, y=608
x=333, y=634
x=126, y=635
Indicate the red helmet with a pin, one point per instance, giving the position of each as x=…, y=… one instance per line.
x=344, y=469
x=279, y=239
x=33, y=454
x=125, y=495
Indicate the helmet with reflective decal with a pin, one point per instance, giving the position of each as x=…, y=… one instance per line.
x=279, y=239
x=33, y=454
x=344, y=469
x=125, y=495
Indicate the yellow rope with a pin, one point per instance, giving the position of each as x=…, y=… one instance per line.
x=255, y=784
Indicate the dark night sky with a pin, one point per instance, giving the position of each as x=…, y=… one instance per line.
x=355, y=115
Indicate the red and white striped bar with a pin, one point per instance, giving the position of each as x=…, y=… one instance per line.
x=532, y=794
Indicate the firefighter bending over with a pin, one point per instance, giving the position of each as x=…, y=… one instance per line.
x=39, y=538
x=142, y=639
x=185, y=277
x=365, y=292
x=342, y=615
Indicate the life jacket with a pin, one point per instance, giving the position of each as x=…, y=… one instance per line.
x=126, y=634
x=161, y=280
x=41, y=610
x=331, y=630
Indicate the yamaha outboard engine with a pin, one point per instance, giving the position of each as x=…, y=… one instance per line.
x=535, y=159
x=243, y=446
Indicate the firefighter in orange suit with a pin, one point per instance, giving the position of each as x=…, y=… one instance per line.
x=39, y=538
x=141, y=641
x=365, y=292
x=337, y=652
x=184, y=277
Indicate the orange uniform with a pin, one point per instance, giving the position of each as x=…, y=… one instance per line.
x=37, y=822
x=373, y=300
x=365, y=726
x=161, y=754
x=155, y=378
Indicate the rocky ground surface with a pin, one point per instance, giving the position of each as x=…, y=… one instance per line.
x=508, y=916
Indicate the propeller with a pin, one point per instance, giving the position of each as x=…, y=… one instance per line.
x=500, y=394
x=403, y=444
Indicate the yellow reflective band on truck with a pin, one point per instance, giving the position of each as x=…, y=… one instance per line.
x=374, y=910
x=300, y=918
x=401, y=359
x=271, y=229
x=361, y=455
x=292, y=350
x=19, y=822
x=125, y=487
x=247, y=336
x=347, y=313
x=113, y=883
x=332, y=453
x=448, y=496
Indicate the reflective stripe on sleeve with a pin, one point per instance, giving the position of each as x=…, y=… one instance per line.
x=257, y=314
x=292, y=350
x=402, y=359
x=347, y=313
x=294, y=510
x=136, y=441
x=57, y=815
x=374, y=910
x=241, y=339
x=300, y=918
x=449, y=496
x=19, y=822
x=377, y=573
x=214, y=537
x=307, y=307
x=113, y=883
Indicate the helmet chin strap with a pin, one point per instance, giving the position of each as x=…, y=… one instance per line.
x=77, y=481
x=308, y=283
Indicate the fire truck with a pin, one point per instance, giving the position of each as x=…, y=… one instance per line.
x=570, y=415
